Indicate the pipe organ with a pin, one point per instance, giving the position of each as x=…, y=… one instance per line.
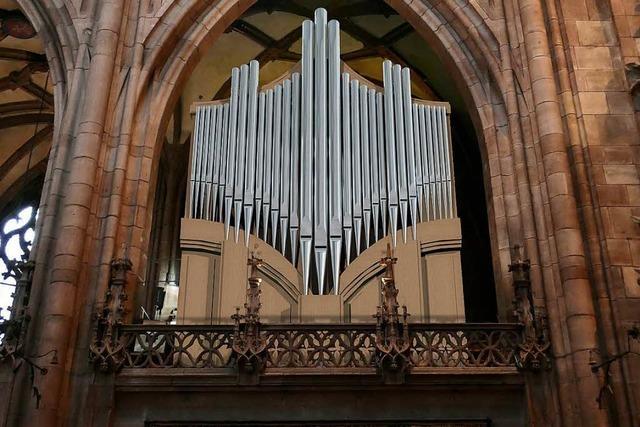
x=321, y=164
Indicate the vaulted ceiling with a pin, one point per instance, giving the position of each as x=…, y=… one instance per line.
x=26, y=103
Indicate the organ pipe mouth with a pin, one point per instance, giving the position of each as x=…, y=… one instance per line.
x=321, y=164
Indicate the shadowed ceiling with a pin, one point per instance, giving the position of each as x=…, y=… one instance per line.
x=26, y=104
x=270, y=32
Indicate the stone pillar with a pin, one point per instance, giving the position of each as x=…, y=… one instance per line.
x=69, y=225
x=574, y=275
x=595, y=105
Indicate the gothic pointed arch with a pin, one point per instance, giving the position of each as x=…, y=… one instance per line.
x=467, y=45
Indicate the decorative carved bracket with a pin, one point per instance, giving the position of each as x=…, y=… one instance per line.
x=248, y=343
x=106, y=349
x=15, y=328
x=632, y=72
x=392, y=330
x=535, y=347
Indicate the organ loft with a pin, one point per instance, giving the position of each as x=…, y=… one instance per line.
x=325, y=213
x=344, y=166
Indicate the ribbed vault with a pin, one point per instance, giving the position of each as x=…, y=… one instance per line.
x=26, y=106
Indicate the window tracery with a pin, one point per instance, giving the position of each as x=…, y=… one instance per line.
x=16, y=238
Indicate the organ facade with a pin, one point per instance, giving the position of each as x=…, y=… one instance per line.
x=334, y=213
x=321, y=165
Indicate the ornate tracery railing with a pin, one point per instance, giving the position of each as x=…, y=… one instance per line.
x=317, y=346
x=392, y=346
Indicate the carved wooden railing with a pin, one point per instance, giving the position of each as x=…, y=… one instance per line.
x=392, y=346
x=316, y=346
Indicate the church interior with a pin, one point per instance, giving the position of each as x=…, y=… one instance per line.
x=319, y=212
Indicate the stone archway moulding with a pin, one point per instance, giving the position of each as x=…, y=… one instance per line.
x=519, y=126
x=172, y=51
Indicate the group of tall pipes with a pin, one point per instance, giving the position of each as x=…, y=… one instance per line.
x=321, y=160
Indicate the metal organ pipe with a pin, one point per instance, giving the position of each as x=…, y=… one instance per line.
x=356, y=164
x=437, y=162
x=203, y=160
x=206, y=173
x=409, y=147
x=260, y=150
x=335, y=150
x=382, y=170
x=347, y=205
x=217, y=157
x=294, y=203
x=418, y=160
x=241, y=146
x=424, y=163
x=366, y=166
x=250, y=166
x=373, y=142
x=320, y=158
x=275, y=163
x=391, y=169
x=446, y=142
x=285, y=162
x=231, y=152
x=213, y=113
x=320, y=212
x=403, y=189
x=306, y=154
x=266, y=178
x=223, y=159
x=430, y=154
x=195, y=143
x=200, y=149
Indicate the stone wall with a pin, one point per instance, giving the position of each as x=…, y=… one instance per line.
x=545, y=84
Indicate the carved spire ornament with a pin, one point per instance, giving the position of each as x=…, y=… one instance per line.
x=535, y=347
x=321, y=162
x=392, y=329
x=106, y=347
x=248, y=343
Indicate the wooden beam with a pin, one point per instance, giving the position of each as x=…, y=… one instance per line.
x=396, y=34
x=26, y=119
x=21, y=55
x=277, y=49
x=24, y=149
x=21, y=107
x=253, y=33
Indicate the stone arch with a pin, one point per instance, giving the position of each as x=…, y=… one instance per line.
x=60, y=40
x=55, y=27
x=467, y=46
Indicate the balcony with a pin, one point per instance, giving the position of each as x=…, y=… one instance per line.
x=177, y=354
x=250, y=352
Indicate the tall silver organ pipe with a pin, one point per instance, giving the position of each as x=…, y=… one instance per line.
x=275, y=163
x=322, y=162
x=285, y=166
x=320, y=205
x=306, y=153
x=335, y=152
x=347, y=205
x=294, y=182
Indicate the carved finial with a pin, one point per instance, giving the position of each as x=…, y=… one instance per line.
x=388, y=261
x=255, y=264
x=248, y=343
x=392, y=330
x=519, y=267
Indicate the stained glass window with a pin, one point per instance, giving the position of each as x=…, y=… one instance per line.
x=16, y=238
